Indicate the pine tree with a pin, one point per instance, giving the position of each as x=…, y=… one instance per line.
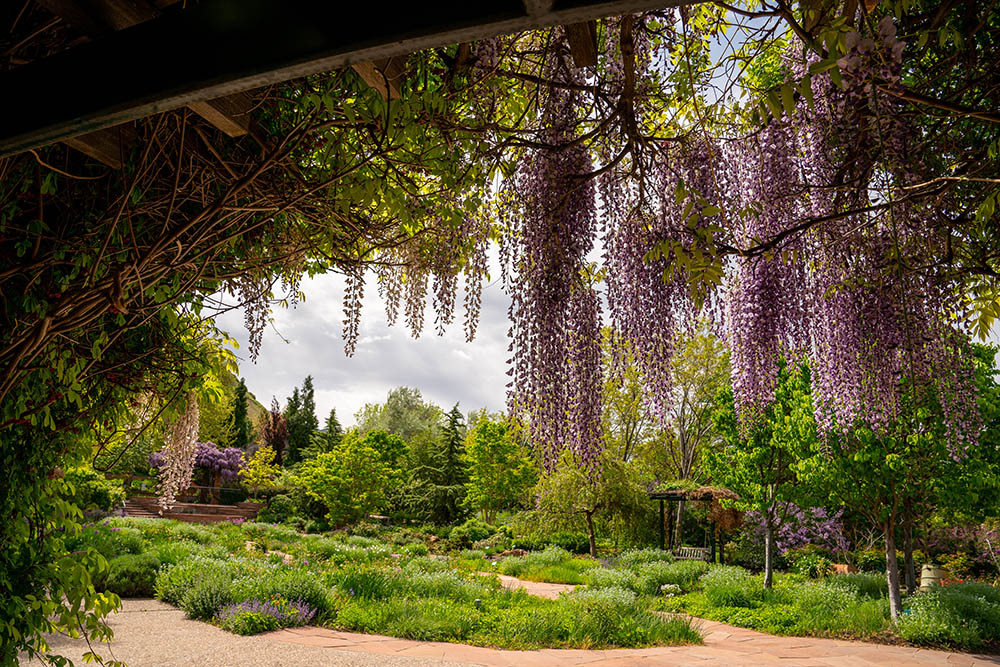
x=302, y=421
x=334, y=431
x=240, y=419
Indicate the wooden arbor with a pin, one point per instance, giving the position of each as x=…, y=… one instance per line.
x=722, y=519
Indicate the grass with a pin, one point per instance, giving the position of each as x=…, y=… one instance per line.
x=553, y=565
x=362, y=584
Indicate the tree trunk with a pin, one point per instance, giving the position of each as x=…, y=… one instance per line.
x=892, y=569
x=768, y=550
x=679, y=525
x=590, y=535
x=909, y=571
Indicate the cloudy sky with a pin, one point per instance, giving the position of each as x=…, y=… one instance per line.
x=306, y=340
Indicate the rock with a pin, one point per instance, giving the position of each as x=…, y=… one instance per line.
x=842, y=568
x=521, y=553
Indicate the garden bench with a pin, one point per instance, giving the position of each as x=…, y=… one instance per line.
x=691, y=553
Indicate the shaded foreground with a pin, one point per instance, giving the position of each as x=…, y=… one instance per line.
x=149, y=632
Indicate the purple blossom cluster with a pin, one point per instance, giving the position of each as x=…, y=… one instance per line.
x=555, y=312
x=288, y=613
x=225, y=462
x=798, y=526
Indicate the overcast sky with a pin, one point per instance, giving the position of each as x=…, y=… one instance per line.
x=446, y=370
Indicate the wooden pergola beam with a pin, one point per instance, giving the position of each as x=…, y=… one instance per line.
x=221, y=47
x=231, y=114
x=582, y=39
x=108, y=145
x=383, y=75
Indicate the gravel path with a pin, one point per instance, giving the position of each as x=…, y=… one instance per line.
x=150, y=633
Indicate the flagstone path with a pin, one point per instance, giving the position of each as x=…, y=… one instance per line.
x=152, y=633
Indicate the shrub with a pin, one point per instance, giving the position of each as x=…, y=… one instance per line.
x=473, y=530
x=651, y=576
x=813, y=565
x=207, y=594
x=286, y=584
x=602, y=577
x=684, y=573
x=253, y=616
x=425, y=620
x=632, y=558
x=130, y=576
x=173, y=583
x=416, y=549
x=615, y=617
x=279, y=509
x=728, y=586
x=426, y=564
x=128, y=541
x=446, y=584
x=964, y=615
x=94, y=490
x=365, y=582
x=577, y=543
x=863, y=584
x=549, y=556
x=172, y=553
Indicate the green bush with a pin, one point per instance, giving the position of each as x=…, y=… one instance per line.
x=287, y=584
x=173, y=583
x=813, y=566
x=128, y=541
x=250, y=623
x=93, y=490
x=447, y=584
x=416, y=549
x=685, y=573
x=130, y=576
x=654, y=574
x=209, y=592
x=426, y=564
x=602, y=577
x=366, y=582
x=279, y=509
x=633, y=558
x=615, y=617
x=963, y=615
x=424, y=620
x=577, y=543
x=473, y=530
x=863, y=584
x=728, y=586
x=172, y=553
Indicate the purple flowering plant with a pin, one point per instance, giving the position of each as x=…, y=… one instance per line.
x=801, y=526
x=256, y=615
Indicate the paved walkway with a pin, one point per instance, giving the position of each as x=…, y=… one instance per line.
x=151, y=633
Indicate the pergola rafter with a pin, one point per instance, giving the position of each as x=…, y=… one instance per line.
x=220, y=48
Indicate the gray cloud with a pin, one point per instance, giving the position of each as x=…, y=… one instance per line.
x=306, y=340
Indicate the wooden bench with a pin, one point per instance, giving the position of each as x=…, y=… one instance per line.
x=691, y=553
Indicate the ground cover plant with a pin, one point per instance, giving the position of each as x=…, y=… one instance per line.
x=255, y=577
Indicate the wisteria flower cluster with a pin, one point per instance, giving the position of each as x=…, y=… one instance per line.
x=178, y=454
x=800, y=526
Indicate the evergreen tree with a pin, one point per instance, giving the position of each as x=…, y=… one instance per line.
x=436, y=489
x=334, y=431
x=240, y=419
x=302, y=421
